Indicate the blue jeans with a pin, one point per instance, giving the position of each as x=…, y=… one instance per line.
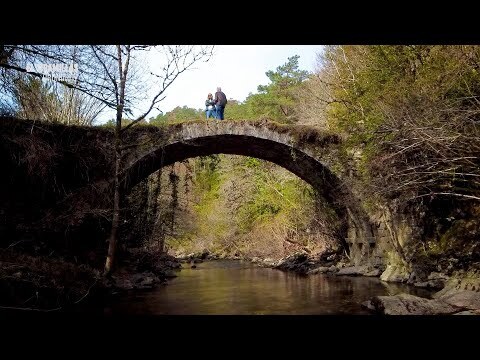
x=211, y=113
x=220, y=110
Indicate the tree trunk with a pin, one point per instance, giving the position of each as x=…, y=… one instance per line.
x=112, y=242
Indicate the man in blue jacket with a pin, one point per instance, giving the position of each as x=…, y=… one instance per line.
x=220, y=102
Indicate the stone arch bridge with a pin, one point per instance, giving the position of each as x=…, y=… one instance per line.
x=80, y=158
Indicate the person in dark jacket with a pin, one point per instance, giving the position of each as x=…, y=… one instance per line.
x=210, y=107
x=220, y=103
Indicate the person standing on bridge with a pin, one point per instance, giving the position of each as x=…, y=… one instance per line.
x=210, y=107
x=220, y=103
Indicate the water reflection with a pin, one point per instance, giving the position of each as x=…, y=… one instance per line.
x=236, y=287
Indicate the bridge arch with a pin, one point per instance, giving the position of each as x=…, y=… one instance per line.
x=295, y=148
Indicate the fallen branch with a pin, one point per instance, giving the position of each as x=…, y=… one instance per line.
x=444, y=193
x=88, y=292
x=15, y=243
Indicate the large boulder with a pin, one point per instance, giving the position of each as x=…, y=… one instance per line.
x=406, y=304
x=465, y=299
x=297, y=263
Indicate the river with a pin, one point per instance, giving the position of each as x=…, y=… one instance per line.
x=237, y=287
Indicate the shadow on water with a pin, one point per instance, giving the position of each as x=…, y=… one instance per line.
x=237, y=287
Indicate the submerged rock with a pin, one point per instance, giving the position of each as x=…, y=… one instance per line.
x=368, y=305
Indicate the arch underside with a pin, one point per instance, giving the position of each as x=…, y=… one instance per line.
x=312, y=171
x=296, y=161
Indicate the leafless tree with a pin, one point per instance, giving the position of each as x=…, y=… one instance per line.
x=118, y=64
x=115, y=76
x=28, y=92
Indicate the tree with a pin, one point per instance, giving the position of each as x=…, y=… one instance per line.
x=114, y=76
x=116, y=62
x=179, y=114
x=278, y=99
x=48, y=101
x=29, y=89
x=412, y=113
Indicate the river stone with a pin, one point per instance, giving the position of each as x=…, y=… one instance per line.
x=467, y=312
x=368, y=305
x=352, y=270
x=431, y=284
x=319, y=270
x=332, y=269
x=331, y=257
x=465, y=299
x=147, y=282
x=123, y=284
x=169, y=274
x=461, y=282
x=395, y=274
x=269, y=263
x=435, y=275
x=137, y=278
x=436, y=280
x=406, y=304
x=173, y=264
x=374, y=272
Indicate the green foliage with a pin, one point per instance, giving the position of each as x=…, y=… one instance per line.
x=286, y=76
x=237, y=199
x=240, y=111
x=271, y=197
x=252, y=162
x=275, y=101
x=406, y=104
x=278, y=99
x=207, y=179
x=177, y=115
x=112, y=122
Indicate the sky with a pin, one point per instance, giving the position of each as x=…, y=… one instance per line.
x=237, y=69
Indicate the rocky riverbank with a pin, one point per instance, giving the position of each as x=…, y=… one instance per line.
x=460, y=295
x=457, y=293
x=41, y=283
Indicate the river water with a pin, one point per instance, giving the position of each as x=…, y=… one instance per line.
x=235, y=287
